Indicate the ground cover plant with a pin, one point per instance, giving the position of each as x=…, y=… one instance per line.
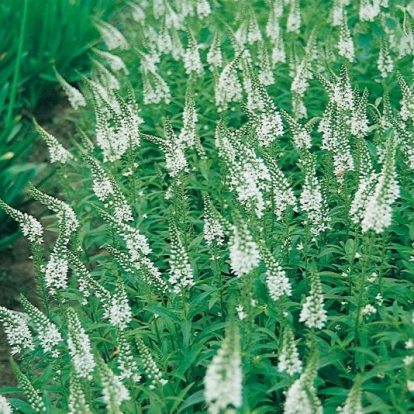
x=235, y=227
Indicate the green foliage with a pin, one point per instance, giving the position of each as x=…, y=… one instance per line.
x=35, y=37
x=229, y=242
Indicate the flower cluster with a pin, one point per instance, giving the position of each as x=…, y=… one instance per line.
x=31, y=228
x=378, y=211
x=223, y=380
x=181, y=272
x=76, y=99
x=114, y=393
x=151, y=370
x=301, y=397
x=17, y=332
x=313, y=313
x=112, y=37
x=77, y=400
x=57, y=152
x=277, y=282
x=289, y=361
x=79, y=347
x=244, y=252
x=48, y=333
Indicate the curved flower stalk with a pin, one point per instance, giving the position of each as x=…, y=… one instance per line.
x=188, y=134
x=367, y=181
x=114, y=393
x=407, y=102
x=152, y=372
x=301, y=133
x=274, y=33
x=301, y=397
x=104, y=76
x=107, y=190
x=18, y=334
x=79, y=347
x=248, y=175
x=313, y=313
x=57, y=152
x=115, y=62
x=244, y=252
x=277, y=282
x=266, y=120
x=181, y=272
x=385, y=63
x=55, y=272
x=214, y=55
x=345, y=44
x=67, y=220
x=265, y=76
x=31, y=228
x=32, y=394
x=228, y=87
x=117, y=126
x=223, y=380
x=173, y=148
x=77, y=400
x=115, y=305
x=311, y=199
x=76, y=99
x=192, y=62
x=111, y=36
x=289, y=361
x=378, y=211
x=294, y=18
x=213, y=229
x=48, y=333
x=353, y=402
x=126, y=362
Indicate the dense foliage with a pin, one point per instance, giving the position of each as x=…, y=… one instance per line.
x=236, y=231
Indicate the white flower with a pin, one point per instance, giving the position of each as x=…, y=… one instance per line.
x=213, y=231
x=244, y=253
x=114, y=393
x=56, y=273
x=301, y=397
x=368, y=310
x=277, y=282
x=56, y=151
x=181, y=272
x=5, y=407
x=17, y=332
x=228, y=88
x=345, y=44
x=203, y=9
x=269, y=128
x=76, y=99
x=289, y=361
x=223, y=380
x=369, y=9
x=117, y=310
x=79, y=347
x=313, y=313
x=192, y=62
x=48, y=332
x=112, y=37
x=294, y=20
